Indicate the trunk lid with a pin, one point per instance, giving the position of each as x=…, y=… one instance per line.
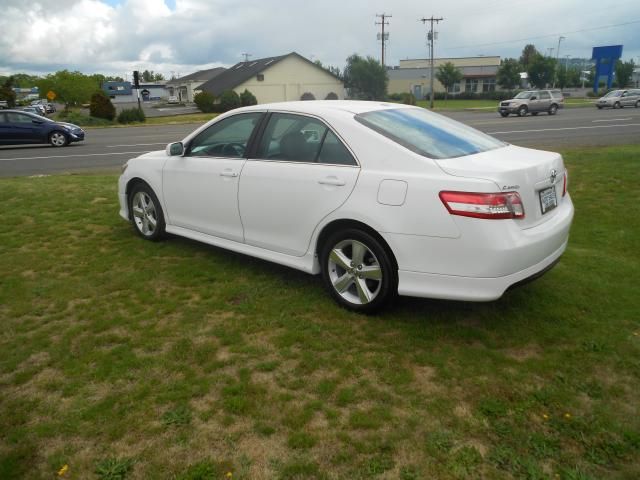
x=515, y=169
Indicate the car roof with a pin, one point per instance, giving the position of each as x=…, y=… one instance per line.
x=320, y=107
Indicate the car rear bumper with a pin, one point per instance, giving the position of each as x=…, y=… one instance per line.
x=487, y=258
x=448, y=287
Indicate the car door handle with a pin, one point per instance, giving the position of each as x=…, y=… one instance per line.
x=228, y=173
x=335, y=181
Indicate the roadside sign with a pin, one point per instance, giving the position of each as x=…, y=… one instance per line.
x=51, y=95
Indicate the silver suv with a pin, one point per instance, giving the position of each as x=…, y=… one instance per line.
x=534, y=102
x=619, y=99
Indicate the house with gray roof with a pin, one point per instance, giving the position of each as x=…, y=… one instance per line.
x=278, y=79
x=184, y=87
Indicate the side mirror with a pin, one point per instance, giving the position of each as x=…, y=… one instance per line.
x=175, y=149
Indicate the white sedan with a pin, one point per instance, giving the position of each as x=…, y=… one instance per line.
x=381, y=199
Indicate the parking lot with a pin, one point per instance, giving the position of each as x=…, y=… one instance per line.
x=107, y=149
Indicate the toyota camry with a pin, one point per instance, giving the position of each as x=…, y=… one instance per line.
x=380, y=199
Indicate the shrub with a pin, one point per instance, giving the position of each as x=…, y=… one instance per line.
x=228, y=101
x=131, y=115
x=408, y=99
x=247, y=98
x=204, y=102
x=307, y=96
x=331, y=96
x=101, y=106
x=83, y=120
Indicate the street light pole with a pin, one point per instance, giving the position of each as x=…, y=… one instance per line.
x=555, y=75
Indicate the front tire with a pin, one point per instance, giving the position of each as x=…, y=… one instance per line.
x=58, y=139
x=358, y=271
x=617, y=105
x=504, y=114
x=146, y=213
x=522, y=111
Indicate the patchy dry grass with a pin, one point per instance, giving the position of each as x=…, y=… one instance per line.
x=123, y=358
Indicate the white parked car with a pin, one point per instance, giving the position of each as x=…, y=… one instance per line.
x=381, y=199
x=173, y=99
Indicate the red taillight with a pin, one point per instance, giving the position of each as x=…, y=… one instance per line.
x=564, y=184
x=483, y=205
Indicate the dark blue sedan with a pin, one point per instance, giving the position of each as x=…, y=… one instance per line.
x=18, y=127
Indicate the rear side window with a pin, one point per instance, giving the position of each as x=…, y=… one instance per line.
x=544, y=95
x=298, y=138
x=428, y=134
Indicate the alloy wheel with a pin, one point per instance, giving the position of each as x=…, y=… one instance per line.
x=144, y=213
x=354, y=272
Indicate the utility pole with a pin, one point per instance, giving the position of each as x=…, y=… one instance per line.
x=246, y=56
x=431, y=36
x=555, y=75
x=383, y=37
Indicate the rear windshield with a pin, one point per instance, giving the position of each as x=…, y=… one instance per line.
x=427, y=133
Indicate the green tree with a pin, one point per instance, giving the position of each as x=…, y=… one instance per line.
x=150, y=76
x=247, y=98
x=6, y=92
x=71, y=88
x=624, y=70
x=229, y=100
x=24, y=80
x=573, y=77
x=508, y=76
x=448, y=75
x=541, y=70
x=204, y=102
x=101, y=106
x=529, y=52
x=365, y=78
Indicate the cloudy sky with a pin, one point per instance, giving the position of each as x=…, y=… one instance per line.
x=178, y=37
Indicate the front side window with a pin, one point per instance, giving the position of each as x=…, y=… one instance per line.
x=19, y=118
x=524, y=95
x=226, y=138
x=297, y=138
x=427, y=133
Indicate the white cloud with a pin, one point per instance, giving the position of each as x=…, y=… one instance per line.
x=91, y=36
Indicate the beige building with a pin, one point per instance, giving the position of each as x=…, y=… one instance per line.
x=278, y=79
x=184, y=87
x=413, y=75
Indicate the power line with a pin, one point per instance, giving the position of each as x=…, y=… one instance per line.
x=545, y=36
x=383, y=38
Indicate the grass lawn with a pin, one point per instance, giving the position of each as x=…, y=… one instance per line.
x=121, y=358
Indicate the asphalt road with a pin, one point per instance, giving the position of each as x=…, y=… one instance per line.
x=108, y=148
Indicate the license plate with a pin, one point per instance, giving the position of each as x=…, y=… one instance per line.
x=548, y=200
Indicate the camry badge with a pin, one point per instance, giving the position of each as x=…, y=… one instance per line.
x=554, y=174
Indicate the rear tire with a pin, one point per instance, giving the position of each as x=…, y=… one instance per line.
x=553, y=109
x=638, y=104
x=358, y=271
x=534, y=113
x=58, y=139
x=146, y=213
x=522, y=111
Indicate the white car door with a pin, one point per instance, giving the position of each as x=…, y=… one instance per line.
x=200, y=189
x=301, y=173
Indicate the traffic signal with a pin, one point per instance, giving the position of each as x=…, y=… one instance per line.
x=136, y=78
